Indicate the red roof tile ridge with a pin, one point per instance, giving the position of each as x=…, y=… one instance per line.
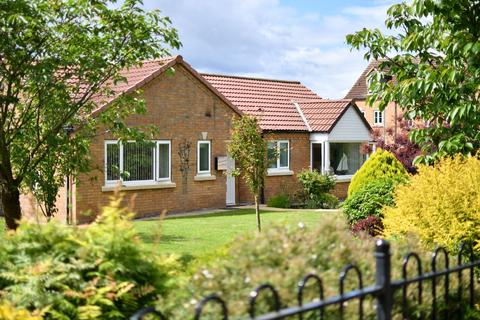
x=248, y=78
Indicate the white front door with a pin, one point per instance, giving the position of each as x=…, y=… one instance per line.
x=230, y=182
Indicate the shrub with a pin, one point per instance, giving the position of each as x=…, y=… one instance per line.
x=314, y=183
x=96, y=272
x=441, y=204
x=322, y=201
x=315, y=190
x=372, y=225
x=8, y=312
x=281, y=256
x=380, y=165
x=369, y=200
x=279, y=201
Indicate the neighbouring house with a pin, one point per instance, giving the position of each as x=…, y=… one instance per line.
x=186, y=167
x=386, y=121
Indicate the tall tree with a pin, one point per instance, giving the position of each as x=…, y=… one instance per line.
x=249, y=150
x=57, y=58
x=433, y=52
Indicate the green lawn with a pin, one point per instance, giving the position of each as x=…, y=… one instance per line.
x=202, y=234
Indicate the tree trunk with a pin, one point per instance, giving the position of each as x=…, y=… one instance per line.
x=11, y=207
x=257, y=212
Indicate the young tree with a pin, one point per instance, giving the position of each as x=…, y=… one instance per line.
x=434, y=58
x=57, y=60
x=249, y=150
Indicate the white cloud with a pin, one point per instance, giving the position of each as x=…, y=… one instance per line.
x=265, y=38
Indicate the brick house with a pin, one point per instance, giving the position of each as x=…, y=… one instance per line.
x=185, y=166
x=385, y=121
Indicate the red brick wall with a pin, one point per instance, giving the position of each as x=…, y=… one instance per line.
x=299, y=159
x=182, y=108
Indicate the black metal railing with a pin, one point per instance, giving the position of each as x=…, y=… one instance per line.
x=383, y=291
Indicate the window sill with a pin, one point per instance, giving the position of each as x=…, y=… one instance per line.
x=156, y=185
x=206, y=177
x=378, y=125
x=344, y=178
x=285, y=172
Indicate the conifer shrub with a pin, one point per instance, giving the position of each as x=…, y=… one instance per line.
x=380, y=165
x=441, y=204
x=369, y=200
x=96, y=272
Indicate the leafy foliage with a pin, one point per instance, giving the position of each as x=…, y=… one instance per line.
x=282, y=256
x=59, y=62
x=99, y=272
x=433, y=54
x=399, y=145
x=314, y=182
x=279, y=201
x=380, y=165
x=371, y=225
x=441, y=204
x=322, y=201
x=315, y=190
x=8, y=312
x=249, y=150
x=369, y=200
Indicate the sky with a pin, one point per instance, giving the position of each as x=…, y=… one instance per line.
x=301, y=40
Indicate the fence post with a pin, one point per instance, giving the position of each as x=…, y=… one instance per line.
x=383, y=280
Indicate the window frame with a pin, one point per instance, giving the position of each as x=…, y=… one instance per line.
x=155, y=166
x=277, y=144
x=375, y=113
x=209, y=171
x=157, y=159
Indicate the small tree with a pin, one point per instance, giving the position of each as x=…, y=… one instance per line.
x=249, y=150
x=59, y=61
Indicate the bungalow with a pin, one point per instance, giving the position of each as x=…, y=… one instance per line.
x=186, y=167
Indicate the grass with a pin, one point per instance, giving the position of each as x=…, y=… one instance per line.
x=203, y=234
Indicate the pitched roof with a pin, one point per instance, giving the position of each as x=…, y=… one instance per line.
x=322, y=115
x=269, y=100
x=138, y=76
x=359, y=90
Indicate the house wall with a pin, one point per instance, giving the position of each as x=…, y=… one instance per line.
x=181, y=107
x=350, y=127
x=32, y=211
x=390, y=119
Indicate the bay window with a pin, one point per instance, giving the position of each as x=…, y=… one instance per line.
x=137, y=162
x=345, y=158
x=278, y=155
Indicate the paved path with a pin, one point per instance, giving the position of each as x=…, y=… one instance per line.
x=210, y=211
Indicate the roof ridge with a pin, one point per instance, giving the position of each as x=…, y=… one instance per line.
x=249, y=77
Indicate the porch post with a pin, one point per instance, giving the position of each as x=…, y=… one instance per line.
x=326, y=163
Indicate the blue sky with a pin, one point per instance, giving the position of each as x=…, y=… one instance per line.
x=286, y=39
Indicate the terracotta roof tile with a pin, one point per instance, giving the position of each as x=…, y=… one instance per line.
x=135, y=77
x=323, y=114
x=269, y=100
x=359, y=90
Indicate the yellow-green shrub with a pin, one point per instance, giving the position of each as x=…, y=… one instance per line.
x=441, y=204
x=9, y=312
x=380, y=165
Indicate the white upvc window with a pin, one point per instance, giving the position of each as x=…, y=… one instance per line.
x=203, y=157
x=164, y=160
x=278, y=155
x=377, y=117
x=137, y=163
